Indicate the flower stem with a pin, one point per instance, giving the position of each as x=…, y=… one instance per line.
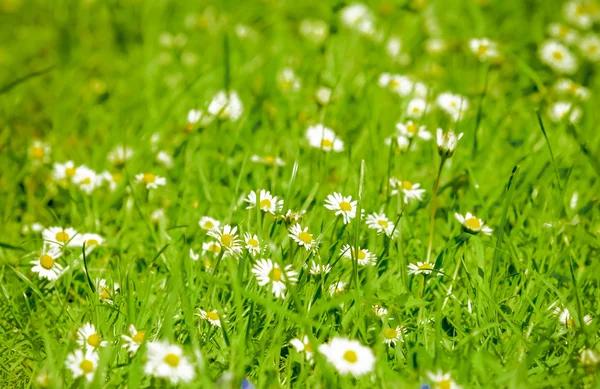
x=436, y=185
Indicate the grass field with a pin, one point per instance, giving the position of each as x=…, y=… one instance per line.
x=277, y=194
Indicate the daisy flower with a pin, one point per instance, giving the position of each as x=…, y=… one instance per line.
x=589, y=357
x=120, y=155
x=410, y=130
x=228, y=239
x=88, y=337
x=380, y=223
x=348, y=356
x=422, y=268
x=208, y=223
x=564, y=317
x=86, y=179
x=165, y=159
x=358, y=17
x=303, y=237
x=303, y=346
x=198, y=119
x=83, y=363
x=364, y=257
x=165, y=360
x=323, y=95
x=342, y=206
x=288, y=81
x=292, y=217
x=324, y=138
x=564, y=86
x=400, y=142
x=64, y=171
x=106, y=292
x=563, y=33
x=379, y=310
x=212, y=247
x=226, y=107
x=211, y=316
x=484, y=49
x=59, y=236
x=269, y=273
x=446, y=142
x=45, y=265
x=316, y=269
x=558, y=57
x=193, y=255
x=472, y=224
x=409, y=190
x=452, y=104
x=562, y=110
x=315, y=31
x=40, y=151
x=337, y=288
x=590, y=47
x=435, y=46
x=134, y=340
x=252, y=243
x=268, y=160
x=151, y=181
x=266, y=202
x=579, y=13
x=442, y=381
x=32, y=228
x=416, y=108
x=401, y=85
x=393, y=335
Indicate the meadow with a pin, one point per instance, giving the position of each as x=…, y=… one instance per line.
x=299, y=194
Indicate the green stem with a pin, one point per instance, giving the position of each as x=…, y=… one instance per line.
x=433, y=205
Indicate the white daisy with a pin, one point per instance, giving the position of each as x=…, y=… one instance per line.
x=134, y=340
x=198, y=119
x=564, y=86
x=564, y=317
x=342, y=206
x=266, y=201
x=303, y=237
x=484, y=49
x=435, y=46
x=401, y=85
x=452, y=104
x=359, y=18
x=194, y=256
x=422, y=268
x=558, y=57
x=316, y=269
x=589, y=46
x=324, y=138
x=268, y=272
x=252, y=243
x=91, y=241
x=416, y=108
x=211, y=316
x=120, y=155
x=379, y=310
x=337, y=288
x=563, y=33
x=88, y=337
x=303, y=346
x=472, y=224
x=446, y=142
x=400, y=142
x=410, y=130
x=59, y=236
x=45, y=265
x=442, y=381
x=64, y=171
x=364, y=257
x=226, y=107
x=83, y=363
x=323, y=95
x=409, y=190
x=228, y=239
x=393, y=335
x=589, y=357
x=208, y=223
x=562, y=110
x=268, y=160
x=40, y=151
x=314, y=30
x=151, y=181
x=380, y=223
x=165, y=159
x=288, y=81
x=579, y=13
x=106, y=292
x=165, y=360
x=348, y=356
x=211, y=247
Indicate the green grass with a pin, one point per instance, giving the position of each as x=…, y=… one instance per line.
x=86, y=76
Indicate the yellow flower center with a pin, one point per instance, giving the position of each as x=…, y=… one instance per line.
x=563, y=31
x=70, y=171
x=172, y=360
x=390, y=333
x=383, y=223
x=117, y=177
x=87, y=366
x=443, y=384
x=62, y=237
x=94, y=340
x=305, y=237
x=426, y=266
x=557, y=55
x=350, y=356
x=46, y=261
x=104, y=294
x=407, y=185
x=326, y=143
x=148, y=178
x=361, y=255
x=412, y=128
x=207, y=263
x=592, y=48
x=215, y=249
x=212, y=316
x=265, y=203
x=308, y=348
x=253, y=242
x=570, y=322
x=275, y=274
x=91, y=242
x=345, y=206
x=226, y=239
x=208, y=225
x=269, y=160
x=473, y=223
x=37, y=152
x=139, y=337
x=482, y=49
x=393, y=83
x=86, y=181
